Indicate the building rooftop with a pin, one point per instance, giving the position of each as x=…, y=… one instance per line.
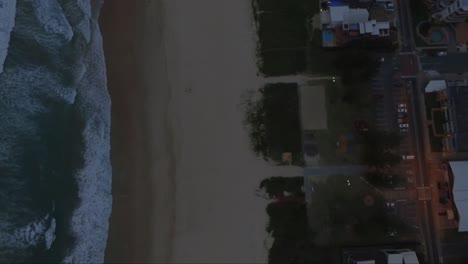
x=337, y=13
x=435, y=85
x=344, y=14
x=460, y=192
x=458, y=101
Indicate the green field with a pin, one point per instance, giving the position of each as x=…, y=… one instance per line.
x=341, y=116
x=340, y=214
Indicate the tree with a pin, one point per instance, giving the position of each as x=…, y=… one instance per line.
x=379, y=149
x=273, y=120
x=356, y=66
x=275, y=186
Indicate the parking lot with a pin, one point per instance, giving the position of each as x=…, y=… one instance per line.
x=392, y=107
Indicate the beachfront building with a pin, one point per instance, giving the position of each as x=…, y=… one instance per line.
x=456, y=177
x=376, y=255
x=341, y=24
x=449, y=112
x=454, y=12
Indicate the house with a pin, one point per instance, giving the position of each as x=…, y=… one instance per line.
x=342, y=23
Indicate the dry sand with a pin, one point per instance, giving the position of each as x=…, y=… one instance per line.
x=184, y=176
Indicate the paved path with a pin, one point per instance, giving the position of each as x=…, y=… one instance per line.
x=334, y=170
x=297, y=79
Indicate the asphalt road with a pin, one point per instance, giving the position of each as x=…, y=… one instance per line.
x=405, y=26
x=425, y=209
x=417, y=132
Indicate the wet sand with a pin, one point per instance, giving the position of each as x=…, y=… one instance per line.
x=140, y=138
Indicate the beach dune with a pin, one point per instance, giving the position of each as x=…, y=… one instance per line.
x=184, y=175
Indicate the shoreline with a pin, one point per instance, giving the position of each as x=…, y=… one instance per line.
x=143, y=208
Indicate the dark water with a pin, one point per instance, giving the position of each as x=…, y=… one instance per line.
x=54, y=136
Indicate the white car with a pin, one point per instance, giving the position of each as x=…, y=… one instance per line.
x=407, y=157
x=401, y=105
x=402, y=110
x=403, y=130
x=441, y=53
x=403, y=125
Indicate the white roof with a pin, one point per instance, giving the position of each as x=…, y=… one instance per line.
x=355, y=15
x=410, y=258
x=395, y=258
x=380, y=25
x=344, y=14
x=460, y=192
x=435, y=85
x=362, y=28
x=371, y=261
x=336, y=13
x=369, y=25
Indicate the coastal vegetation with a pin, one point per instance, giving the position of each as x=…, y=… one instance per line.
x=288, y=223
x=273, y=122
x=282, y=34
x=380, y=149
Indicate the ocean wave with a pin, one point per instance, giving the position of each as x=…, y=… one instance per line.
x=54, y=76
x=90, y=220
x=7, y=22
x=51, y=18
x=30, y=235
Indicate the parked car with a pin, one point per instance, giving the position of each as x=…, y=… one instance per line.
x=441, y=53
x=402, y=110
x=403, y=130
x=407, y=157
x=403, y=120
x=402, y=105
x=403, y=125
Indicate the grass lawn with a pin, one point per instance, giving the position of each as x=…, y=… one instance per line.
x=283, y=34
x=341, y=117
x=339, y=214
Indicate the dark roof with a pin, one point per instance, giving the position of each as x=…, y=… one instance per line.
x=458, y=96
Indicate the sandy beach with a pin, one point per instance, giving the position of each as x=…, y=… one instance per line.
x=184, y=177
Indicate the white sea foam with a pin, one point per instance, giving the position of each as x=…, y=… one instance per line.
x=50, y=15
x=49, y=235
x=90, y=220
x=30, y=235
x=7, y=22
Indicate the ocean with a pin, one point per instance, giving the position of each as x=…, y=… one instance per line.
x=55, y=171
